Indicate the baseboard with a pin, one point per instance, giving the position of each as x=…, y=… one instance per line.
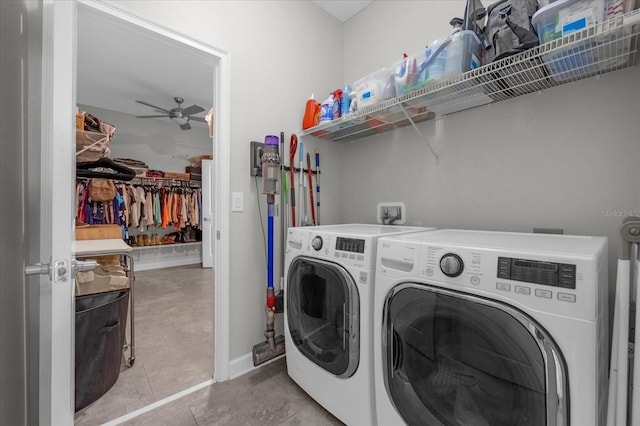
x=167, y=263
x=244, y=364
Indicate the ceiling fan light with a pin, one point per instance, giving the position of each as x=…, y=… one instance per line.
x=180, y=119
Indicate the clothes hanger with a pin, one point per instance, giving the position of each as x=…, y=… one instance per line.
x=104, y=168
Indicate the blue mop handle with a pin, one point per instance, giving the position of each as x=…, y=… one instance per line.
x=270, y=208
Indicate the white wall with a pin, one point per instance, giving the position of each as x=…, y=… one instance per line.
x=560, y=158
x=566, y=157
x=280, y=52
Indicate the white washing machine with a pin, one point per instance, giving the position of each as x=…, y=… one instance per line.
x=490, y=328
x=328, y=317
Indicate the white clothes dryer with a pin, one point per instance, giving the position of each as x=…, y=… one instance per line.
x=328, y=318
x=491, y=328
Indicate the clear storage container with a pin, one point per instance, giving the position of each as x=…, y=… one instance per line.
x=562, y=18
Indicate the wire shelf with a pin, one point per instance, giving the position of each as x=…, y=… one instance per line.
x=165, y=182
x=599, y=49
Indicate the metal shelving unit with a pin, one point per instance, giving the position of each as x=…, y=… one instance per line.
x=606, y=47
x=165, y=182
x=174, y=246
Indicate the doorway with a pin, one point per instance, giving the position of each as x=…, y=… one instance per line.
x=131, y=59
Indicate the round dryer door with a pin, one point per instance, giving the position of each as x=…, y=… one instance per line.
x=323, y=313
x=455, y=359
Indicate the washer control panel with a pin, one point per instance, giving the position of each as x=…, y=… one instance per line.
x=561, y=275
x=316, y=243
x=451, y=265
x=353, y=245
x=349, y=251
x=536, y=272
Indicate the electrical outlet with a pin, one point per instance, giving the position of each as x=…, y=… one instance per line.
x=391, y=213
x=257, y=148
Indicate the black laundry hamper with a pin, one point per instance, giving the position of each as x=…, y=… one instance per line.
x=100, y=334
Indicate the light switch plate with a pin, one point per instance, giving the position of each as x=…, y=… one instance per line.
x=237, y=202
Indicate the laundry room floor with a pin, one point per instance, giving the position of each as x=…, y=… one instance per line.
x=263, y=397
x=174, y=351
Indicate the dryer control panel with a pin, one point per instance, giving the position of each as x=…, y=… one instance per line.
x=537, y=272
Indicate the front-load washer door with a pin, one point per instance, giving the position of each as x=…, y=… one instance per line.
x=455, y=359
x=323, y=313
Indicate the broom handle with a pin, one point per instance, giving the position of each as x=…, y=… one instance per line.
x=309, y=172
x=318, y=185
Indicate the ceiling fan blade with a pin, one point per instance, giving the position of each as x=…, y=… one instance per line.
x=153, y=106
x=197, y=119
x=185, y=126
x=193, y=109
x=151, y=116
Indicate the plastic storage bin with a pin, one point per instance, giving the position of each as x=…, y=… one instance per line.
x=561, y=18
x=100, y=335
x=406, y=74
x=463, y=53
x=374, y=88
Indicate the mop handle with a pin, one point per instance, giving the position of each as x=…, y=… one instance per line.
x=293, y=146
x=309, y=172
x=300, y=164
x=318, y=185
x=270, y=208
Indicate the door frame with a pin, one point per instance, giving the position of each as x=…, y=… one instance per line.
x=59, y=52
x=221, y=149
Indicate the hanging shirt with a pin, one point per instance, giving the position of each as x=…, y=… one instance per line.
x=157, y=214
x=142, y=197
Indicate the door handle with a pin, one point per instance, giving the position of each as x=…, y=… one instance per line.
x=206, y=219
x=59, y=272
x=38, y=269
x=83, y=265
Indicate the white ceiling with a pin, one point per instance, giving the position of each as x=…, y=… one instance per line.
x=120, y=63
x=342, y=10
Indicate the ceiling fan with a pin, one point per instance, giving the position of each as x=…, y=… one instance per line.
x=180, y=115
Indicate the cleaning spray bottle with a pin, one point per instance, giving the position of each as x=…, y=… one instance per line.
x=345, y=100
x=337, y=99
x=326, y=109
x=311, y=113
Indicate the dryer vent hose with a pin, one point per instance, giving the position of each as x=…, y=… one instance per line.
x=630, y=233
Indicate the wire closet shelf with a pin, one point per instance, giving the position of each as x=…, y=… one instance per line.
x=599, y=49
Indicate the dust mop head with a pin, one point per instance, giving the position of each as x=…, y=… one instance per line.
x=263, y=352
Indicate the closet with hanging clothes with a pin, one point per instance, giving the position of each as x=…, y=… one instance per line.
x=160, y=210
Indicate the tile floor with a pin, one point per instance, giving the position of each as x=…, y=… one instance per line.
x=263, y=397
x=174, y=351
x=173, y=342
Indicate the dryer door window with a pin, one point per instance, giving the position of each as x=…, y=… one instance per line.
x=456, y=359
x=323, y=311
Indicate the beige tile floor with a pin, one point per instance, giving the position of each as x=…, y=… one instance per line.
x=174, y=351
x=266, y=396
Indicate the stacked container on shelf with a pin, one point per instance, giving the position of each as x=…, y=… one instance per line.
x=458, y=53
x=564, y=17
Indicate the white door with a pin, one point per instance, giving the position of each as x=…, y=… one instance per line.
x=208, y=242
x=49, y=173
